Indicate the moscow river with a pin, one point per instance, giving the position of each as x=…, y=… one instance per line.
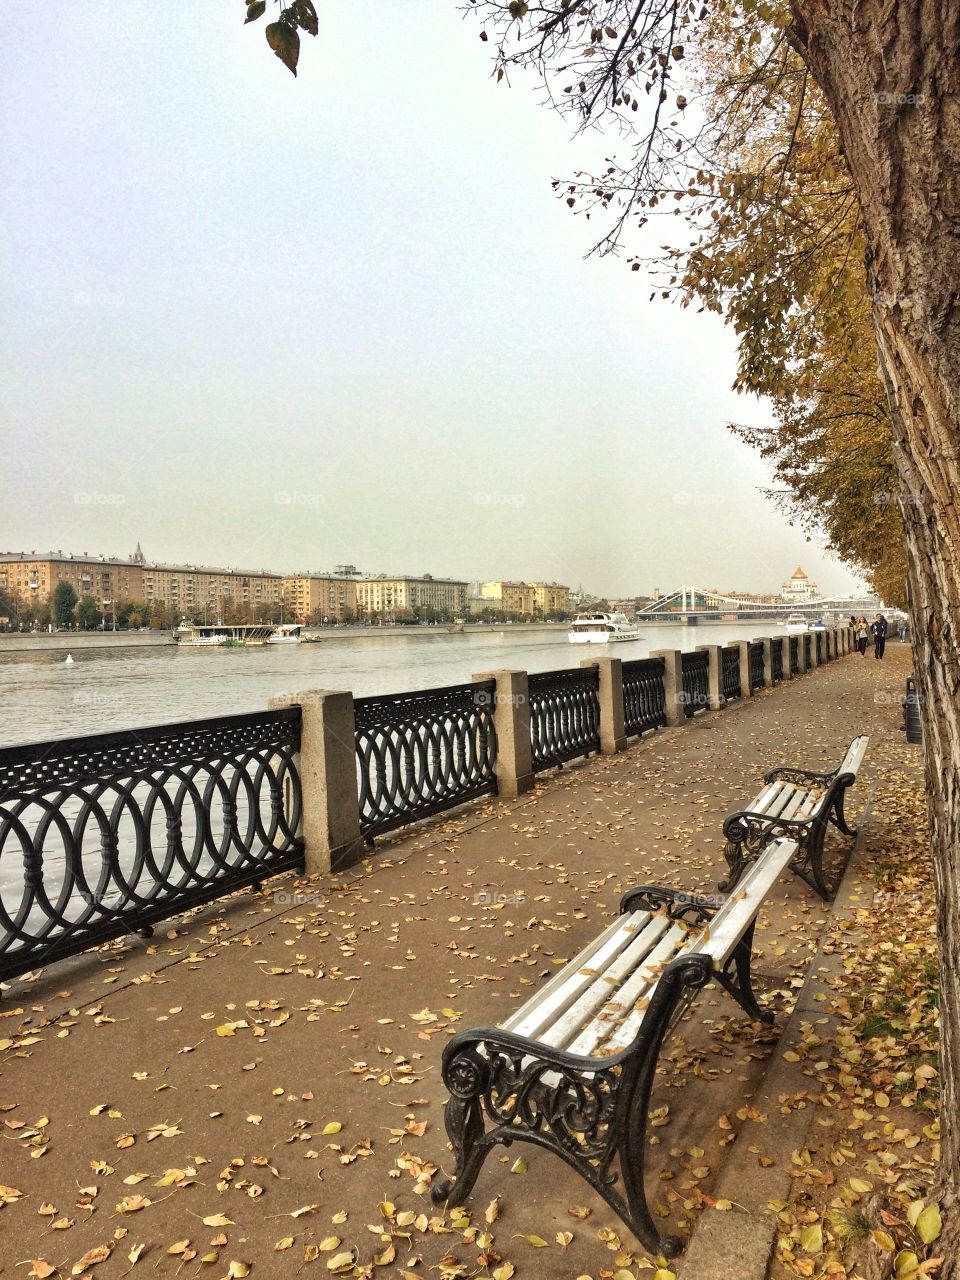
x=121, y=687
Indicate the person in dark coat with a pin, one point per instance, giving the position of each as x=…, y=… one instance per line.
x=879, y=629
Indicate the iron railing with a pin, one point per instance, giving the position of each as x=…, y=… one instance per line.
x=756, y=665
x=794, y=655
x=820, y=639
x=644, y=703
x=696, y=682
x=807, y=639
x=564, y=715
x=777, y=661
x=421, y=753
x=730, y=673
x=105, y=835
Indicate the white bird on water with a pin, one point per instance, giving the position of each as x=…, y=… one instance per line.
x=68, y=658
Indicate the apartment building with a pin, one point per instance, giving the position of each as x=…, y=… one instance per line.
x=33, y=577
x=384, y=595
x=316, y=597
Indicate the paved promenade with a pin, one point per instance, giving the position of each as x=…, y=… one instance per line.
x=259, y=1087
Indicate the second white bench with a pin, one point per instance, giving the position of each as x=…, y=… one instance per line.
x=795, y=803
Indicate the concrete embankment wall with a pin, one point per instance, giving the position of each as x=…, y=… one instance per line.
x=32, y=641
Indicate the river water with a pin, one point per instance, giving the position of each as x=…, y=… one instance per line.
x=43, y=697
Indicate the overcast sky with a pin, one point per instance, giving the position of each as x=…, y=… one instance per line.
x=261, y=321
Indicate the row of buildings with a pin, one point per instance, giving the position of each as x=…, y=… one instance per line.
x=195, y=591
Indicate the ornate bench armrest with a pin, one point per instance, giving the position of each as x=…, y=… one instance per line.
x=790, y=773
x=756, y=829
x=679, y=903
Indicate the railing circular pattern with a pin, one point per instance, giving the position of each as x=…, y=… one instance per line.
x=696, y=682
x=109, y=836
x=564, y=715
x=730, y=658
x=644, y=704
x=421, y=753
x=756, y=665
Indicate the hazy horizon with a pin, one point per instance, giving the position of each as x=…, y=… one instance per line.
x=267, y=322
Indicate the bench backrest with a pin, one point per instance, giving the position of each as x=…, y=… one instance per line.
x=720, y=936
x=854, y=758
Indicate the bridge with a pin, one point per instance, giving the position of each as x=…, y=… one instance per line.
x=701, y=602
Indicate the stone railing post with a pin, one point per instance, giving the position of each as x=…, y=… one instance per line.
x=767, y=661
x=784, y=643
x=672, y=685
x=613, y=736
x=801, y=652
x=831, y=644
x=328, y=778
x=744, y=647
x=511, y=722
x=814, y=660
x=715, y=697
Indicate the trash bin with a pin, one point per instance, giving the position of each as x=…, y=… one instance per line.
x=911, y=713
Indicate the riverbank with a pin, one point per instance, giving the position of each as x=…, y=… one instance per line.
x=53, y=642
x=39, y=641
x=289, y=1095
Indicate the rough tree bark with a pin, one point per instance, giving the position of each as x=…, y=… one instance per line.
x=891, y=74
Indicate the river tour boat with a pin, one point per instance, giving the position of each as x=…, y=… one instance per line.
x=286, y=633
x=223, y=635
x=601, y=628
x=795, y=622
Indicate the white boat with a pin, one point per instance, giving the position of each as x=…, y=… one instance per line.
x=601, y=628
x=220, y=635
x=796, y=622
x=285, y=633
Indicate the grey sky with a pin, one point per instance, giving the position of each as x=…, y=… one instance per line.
x=356, y=291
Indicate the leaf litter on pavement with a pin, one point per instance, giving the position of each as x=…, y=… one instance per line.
x=293, y=1073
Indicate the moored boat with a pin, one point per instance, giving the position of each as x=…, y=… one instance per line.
x=219, y=635
x=285, y=633
x=795, y=622
x=601, y=628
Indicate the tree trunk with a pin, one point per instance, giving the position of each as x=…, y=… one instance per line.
x=891, y=74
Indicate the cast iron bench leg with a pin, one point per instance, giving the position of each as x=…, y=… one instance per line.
x=592, y=1115
x=733, y=853
x=739, y=984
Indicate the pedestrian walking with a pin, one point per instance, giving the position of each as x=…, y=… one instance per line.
x=863, y=635
x=879, y=629
x=902, y=629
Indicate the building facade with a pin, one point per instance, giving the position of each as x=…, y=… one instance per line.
x=507, y=597
x=385, y=596
x=194, y=589
x=550, y=597
x=184, y=589
x=316, y=597
x=32, y=577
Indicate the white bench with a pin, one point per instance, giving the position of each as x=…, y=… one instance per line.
x=796, y=803
x=572, y=1069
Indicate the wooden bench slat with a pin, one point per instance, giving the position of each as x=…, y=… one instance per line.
x=566, y=1022
x=540, y=1008
x=854, y=757
x=719, y=938
x=618, y=1021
